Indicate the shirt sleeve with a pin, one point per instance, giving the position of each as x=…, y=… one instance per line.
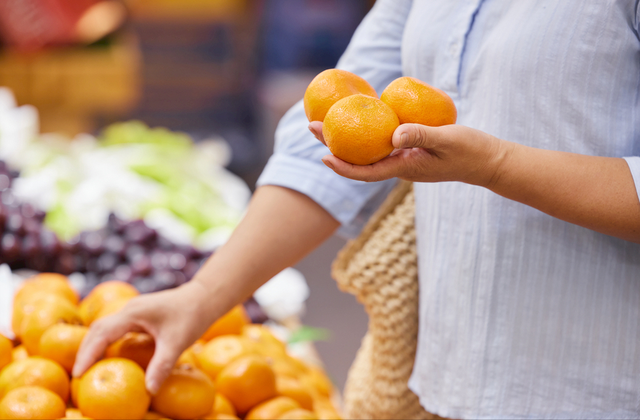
x=634, y=166
x=374, y=53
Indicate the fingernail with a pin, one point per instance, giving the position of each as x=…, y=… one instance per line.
x=312, y=130
x=326, y=162
x=404, y=138
x=152, y=387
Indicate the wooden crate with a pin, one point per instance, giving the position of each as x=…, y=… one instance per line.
x=72, y=86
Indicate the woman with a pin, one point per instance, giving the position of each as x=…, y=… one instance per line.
x=527, y=216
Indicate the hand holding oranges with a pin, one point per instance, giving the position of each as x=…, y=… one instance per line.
x=408, y=133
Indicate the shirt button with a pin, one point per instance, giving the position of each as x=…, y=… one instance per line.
x=455, y=47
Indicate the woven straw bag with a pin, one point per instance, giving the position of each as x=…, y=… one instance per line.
x=380, y=268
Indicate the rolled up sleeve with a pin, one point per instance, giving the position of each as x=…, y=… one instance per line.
x=374, y=53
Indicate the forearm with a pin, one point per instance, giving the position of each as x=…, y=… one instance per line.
x=280, y=228
x=594, y=192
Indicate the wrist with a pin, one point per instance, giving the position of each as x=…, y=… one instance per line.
x=499, y=161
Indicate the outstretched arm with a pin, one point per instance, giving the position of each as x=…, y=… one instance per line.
x=281, y=227
x=591, y=191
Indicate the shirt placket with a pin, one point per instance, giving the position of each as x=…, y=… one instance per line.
x=454, y=47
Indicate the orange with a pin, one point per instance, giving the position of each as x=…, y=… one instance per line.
x=51, y=283
x=293, y=388
x=31, y=402
x=6, y=351
x=318, y=380
x=45, y=315
x=113, y=389
x=288, y=366
x=414, y=101
x=135, y=346
x=36, y=371
x=264, y=341
x=60, y=343
x=219, y=352
x=19, y=352
x=75, y=382
x=246, y=382
x=29, y=304
x=112, y=307
x=230, y=323
x=222, y=416
x=272, y=409
x=299, y=414
x=223, y=406
x=74, y=413
x=358, y=129
x=102, y=294
x=323, y=407
x=329, y=87
x=186, y=394
x=150, y=415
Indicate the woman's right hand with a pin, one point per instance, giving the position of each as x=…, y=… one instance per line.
x=174, y=318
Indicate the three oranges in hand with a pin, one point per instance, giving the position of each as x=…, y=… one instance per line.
x=358, y=126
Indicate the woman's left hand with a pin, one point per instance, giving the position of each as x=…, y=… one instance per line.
x=430, y=154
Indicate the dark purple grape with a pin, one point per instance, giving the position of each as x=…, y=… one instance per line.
x=65, y=263
x=14, y=174
x=255, y=311
x=144, y=284
x=91, y=281
x=27, y=210
x=115, y=244
x=123, y=273
x=3, y=214
x=133, y=252
x=91, y=265
x=191, y=269
x=73, y=245
x=92, y=242
x=15, y=224
x=3, y=167
x=165, y=279
x=107, y=262
x=177, y=261
x=139, y=233
x=40, y=215
x=31, y=226
x=164, y=243
x=5, y=182
x=30, y=246
x=142, y=266
x=159, y=260
x=41, y=263
x=10, y=248
x=115, y=224
x=7, y=198
x=50, y=243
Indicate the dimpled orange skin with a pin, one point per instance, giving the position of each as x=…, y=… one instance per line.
x=6, y=351
x=102, y=294
x=417, y=102
x=223, y=406
x=272, y=409
x=29, y=304
x=219, y=352
x=247, y=382
x=293, y=388
x=36, y=371
x=329, y=87
x=32, y=402
x=358, y=129
x=113, y=389
x=230, y=323
x=135, y=346
x=51, y=283
x=60, y=343
x=299, y=414
x=186, y=394
x=20, y=352
x=46, y=314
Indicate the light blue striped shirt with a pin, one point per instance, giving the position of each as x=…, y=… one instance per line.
x=521, y=315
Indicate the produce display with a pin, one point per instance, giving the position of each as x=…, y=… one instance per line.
x=236, y=370
x=358, y=126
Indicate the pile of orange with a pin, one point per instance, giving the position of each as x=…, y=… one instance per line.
x=236, y=370
x=358, y=126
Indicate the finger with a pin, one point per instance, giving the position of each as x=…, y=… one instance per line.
x=415, y=135
x=101, y=334
x=161, y=364
x=316, y=128
x=389, y=167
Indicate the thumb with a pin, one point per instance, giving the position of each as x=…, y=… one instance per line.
x=161, y=364
x=413, y=135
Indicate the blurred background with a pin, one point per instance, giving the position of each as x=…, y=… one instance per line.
x=209, y=72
